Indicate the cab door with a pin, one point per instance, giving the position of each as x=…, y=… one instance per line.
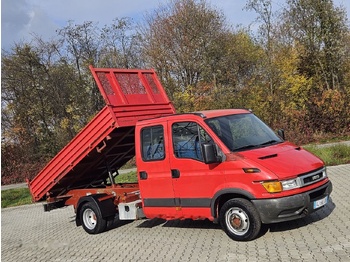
x=154, y=173
x=195, y=182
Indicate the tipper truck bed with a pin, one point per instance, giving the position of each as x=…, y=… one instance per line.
x=107, y=142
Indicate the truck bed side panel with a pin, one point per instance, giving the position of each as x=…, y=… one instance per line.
x=73, y=153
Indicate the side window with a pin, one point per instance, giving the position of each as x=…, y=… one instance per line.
x=187, y=140
x=152, y=142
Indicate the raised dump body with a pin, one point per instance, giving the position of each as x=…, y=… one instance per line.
x=107, y=141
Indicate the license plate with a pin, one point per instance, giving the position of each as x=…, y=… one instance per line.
x=320, y=202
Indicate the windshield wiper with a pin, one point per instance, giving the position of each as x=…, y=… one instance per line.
x=256, y=146
x=269, y=142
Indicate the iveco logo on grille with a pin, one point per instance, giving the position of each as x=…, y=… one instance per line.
x=313, y=178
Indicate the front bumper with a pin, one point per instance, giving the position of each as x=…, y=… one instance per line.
x=291, y=207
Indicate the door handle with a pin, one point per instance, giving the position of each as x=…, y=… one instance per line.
x=143, y=175
x=175, y=173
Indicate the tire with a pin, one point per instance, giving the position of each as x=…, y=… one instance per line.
x=91, y=218
x=240, y=220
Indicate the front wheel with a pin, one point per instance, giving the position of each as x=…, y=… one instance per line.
x=91, y=218
x=240, y=220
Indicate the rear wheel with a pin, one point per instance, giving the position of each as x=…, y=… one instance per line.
x=91, y=218
x=240, y=220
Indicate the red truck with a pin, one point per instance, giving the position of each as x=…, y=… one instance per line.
x=223, y=165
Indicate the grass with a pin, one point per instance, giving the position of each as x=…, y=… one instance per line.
x=331, y=155
x=15, y=197
x=129, y=177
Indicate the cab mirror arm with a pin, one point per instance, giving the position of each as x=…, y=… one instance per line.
x=281, y=134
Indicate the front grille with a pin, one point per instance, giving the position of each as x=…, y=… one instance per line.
x=313, y=177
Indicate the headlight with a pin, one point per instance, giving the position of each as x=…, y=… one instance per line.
x=290, y=184
x=279, y=186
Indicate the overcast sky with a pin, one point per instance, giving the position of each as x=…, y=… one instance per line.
x=20, y=19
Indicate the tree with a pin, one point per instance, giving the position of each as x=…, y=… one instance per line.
x=81, y=45
x=120, y=45
x=320, y=28
x=183, y=42
x=44, y=102
x=26, y=105
x=265, y=16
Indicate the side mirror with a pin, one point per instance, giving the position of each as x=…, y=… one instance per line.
x=281, y=134
x=210, y=154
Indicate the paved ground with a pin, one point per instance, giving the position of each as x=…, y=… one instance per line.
x=347, y=143
x=29, y=234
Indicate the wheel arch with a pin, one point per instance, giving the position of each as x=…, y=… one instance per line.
x=106, y=207
x=223, y=196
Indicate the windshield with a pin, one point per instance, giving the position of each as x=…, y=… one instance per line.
x=243, y=132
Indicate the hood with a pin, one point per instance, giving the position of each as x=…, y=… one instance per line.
x=285, y=160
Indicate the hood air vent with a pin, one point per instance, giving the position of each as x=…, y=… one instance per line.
x=268, y=156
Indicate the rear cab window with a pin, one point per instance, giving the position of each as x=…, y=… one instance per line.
x=152, y=143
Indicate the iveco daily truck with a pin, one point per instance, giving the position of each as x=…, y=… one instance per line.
x=223, y=165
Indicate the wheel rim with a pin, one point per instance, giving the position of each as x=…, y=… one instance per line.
x=89, y=218
x=237, y=221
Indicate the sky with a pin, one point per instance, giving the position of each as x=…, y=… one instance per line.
x=22, y=19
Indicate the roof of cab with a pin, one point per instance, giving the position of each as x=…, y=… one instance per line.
x=222, y=112
x=203, y=114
